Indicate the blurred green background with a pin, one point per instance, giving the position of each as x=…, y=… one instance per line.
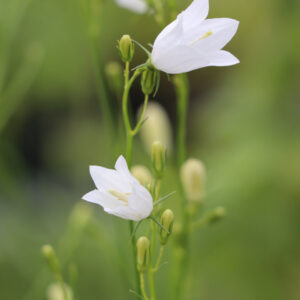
x=244, y=123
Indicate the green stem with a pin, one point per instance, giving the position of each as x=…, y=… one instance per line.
x=161, y=252
x=142, y=286
x=182, y=95
x=141, y=119
x=129, y=140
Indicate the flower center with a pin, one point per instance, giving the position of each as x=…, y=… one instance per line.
x=120, y=196
x=202, y=37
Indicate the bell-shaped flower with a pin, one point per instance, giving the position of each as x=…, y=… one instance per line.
x=192, y=41
x=119, y=193
x=137, y=6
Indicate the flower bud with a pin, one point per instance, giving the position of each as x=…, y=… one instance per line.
x=114, y=74
x=55, y=292
x=193, y=179
x=126, y=48
x=158, y=157
x=167, y=220
x=215, y=215
x=143, y=253
x=157, y=127
x=148, y=81
x=142, y=174
x=51, y=259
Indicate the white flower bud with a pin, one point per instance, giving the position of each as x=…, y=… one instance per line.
x=55, y=292
x=193, y=179
x=143, y=253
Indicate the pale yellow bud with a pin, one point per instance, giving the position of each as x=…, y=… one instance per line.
x=55, y=292
x=193, y=179
x=158, y=157
x=51, y=259
x=157, y=127
x=167, y=220
x=142, y=174
x=143, y=253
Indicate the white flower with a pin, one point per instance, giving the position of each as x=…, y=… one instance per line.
x=137, y=6
x=192, y=42
x=119, y=193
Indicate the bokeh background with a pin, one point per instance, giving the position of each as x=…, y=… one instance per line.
x=244, y=123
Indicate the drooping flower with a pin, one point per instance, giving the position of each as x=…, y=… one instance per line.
x=119, y=193
x=137, y=6
x=192, y=41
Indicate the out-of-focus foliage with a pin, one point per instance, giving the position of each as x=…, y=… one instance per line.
x=243, y=124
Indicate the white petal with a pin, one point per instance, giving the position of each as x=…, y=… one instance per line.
x=137, y=6
x=222, y=58
x=181, y=59
x=104, y=199
x=222, y=29
x=168, y=38
x=195, y=13
x=122, y=168
x=124, y=212
x=107, y=179
x=141, y=201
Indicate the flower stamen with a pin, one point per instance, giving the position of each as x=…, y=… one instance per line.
x=120, y=196
x=202, y=37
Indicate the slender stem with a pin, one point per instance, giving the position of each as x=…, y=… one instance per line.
x=161, y=252
x=129, y=139
x=141, y=119
x=182, y=94
x=142, y=286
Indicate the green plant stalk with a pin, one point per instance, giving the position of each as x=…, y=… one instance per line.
x=182, y=95
x=142, y=286
x=129, y=140
x=153, y=243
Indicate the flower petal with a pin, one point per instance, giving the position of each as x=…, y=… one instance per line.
x=107, y=179
x=137, y=6
x=222, y=31
x=222, y=58
x=122, y=168
x=125, y=212
x=181, y=59
x=195, y=13
x=104, y=199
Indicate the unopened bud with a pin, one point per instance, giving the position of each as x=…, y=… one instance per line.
x=215, y=215
x=158, y=157
x=114, y=74
x=148, y=81
x=157, y=127
x=167, y=220
x=126, y=48
x=142, y=174
x=143, y=253
x=51, y=259
x=55, y=292
x=193, y=179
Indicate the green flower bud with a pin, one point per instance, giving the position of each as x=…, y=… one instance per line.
x=158, y=157
x=193, y=179
x=148, y=81
x=142, y=174
x=143, y=254
x=51, y=259
x=167, y=220
x=114, y=74
x=215, y=215
x=126, y=48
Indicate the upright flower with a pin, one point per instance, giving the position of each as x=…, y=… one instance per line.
x=137, y=6
x=119, y=193
x=192, y=41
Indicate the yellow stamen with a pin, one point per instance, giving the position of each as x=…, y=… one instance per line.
x=120, y=196
x=204, y=36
